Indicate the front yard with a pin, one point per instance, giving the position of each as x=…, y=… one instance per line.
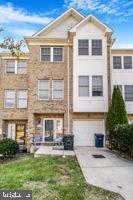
x=51, y=178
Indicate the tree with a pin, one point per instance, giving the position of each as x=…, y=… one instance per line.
x=117, y=112
x=14, y=47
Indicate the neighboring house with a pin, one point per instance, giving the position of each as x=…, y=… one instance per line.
x=64, y=83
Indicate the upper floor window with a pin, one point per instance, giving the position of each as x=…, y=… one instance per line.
x=83, y=47
x=117, y=62
x=16, y=66
x=128, y=92
x=127, y=62
x=45, y=54
x=10, y=66
x=22, y=99
x=57, y=54
x=97, y=86
x=83, y=86
x=97, y=47
x=52, y=54
x=44, y=89
x=9, y=99
x=57, y=89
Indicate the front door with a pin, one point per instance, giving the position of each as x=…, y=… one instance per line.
x=20, y=133
x=49, y=130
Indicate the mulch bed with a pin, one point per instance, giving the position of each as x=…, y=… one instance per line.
x=4, y=161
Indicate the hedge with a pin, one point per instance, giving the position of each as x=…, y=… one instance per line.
x=121, y=139
x=8, y=147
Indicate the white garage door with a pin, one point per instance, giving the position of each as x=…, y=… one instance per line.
x=84, y=132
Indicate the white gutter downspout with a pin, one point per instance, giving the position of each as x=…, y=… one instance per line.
x=68, y=93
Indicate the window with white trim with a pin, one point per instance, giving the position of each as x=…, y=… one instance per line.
x=10, y=66
x=83, y=86
x=117, y=62
x=58, y=91
x=52, y=54
x=97, y=86
x=21, y=67
x=16, y=66
x=43, y=89
x=9, y=99
x=128, y=92
x=83, y=47
x=96, y=47
x=127, y=62
x=57, y=54
x=22, y=99
x=46, y=54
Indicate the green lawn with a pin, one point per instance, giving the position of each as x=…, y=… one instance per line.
x=51, y=178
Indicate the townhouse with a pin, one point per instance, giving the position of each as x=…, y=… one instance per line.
x=64, y=84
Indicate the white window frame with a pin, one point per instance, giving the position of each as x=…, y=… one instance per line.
x=10, y=98
x=88, y=47
x=16, y=67
x=95, y=96
x=62, y=89
x=48, y=89
x=101, y=47
x=89, y=86
x=21, y=98
x=52, y=54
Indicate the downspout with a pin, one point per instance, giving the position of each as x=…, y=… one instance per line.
x=68, y=85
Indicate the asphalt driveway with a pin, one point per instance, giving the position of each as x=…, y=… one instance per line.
x=111, y=173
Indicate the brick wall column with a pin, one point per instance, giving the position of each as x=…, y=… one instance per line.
x=31, y=130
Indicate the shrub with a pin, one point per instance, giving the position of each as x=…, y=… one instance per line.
x=117, y=111
x=121, y=139
x=8, y=147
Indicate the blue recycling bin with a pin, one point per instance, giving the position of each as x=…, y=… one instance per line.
x=99, y=139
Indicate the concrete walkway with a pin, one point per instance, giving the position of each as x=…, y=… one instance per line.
x=51, y=150
x=112, y=172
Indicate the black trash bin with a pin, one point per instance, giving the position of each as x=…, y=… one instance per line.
x=99, y=139
x=68, y=141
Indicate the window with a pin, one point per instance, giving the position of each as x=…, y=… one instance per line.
x=9, y=101
x=45, y=54
x=127, y=62
x=84, y=86
x=58, y=89
x=43, y=89
x=128, y=92
x=22, y=99
x=57, y=54
x=83, y=47
x=16, y=66
x=97, y=86
x=117, y=62
x=22, y=67
x=96, y=47
x=10, y=66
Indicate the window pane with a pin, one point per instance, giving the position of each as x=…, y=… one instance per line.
x=97, y=47
x=44, y=89
x=128, y=92
x=45, y=54
x=10, y=66
x=57, y=89
x=83, y=47
x=83, y=85
x=22, y=99
x=127, y=62
x=58, y=54
x=97, y=86
x=22, y=67
x=117, y=62
x=9, y=98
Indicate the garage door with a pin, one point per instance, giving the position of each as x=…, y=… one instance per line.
x=84, y=132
